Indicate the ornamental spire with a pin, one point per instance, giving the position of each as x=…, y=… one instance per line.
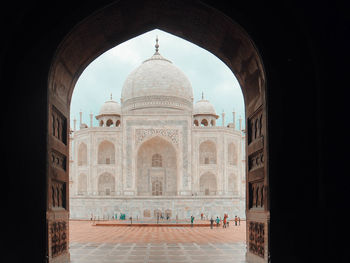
x=111, y=96
x=202, y=95
x=157, y=46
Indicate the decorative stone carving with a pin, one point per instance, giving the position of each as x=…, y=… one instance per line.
x=257, y=238
x=142, y=134
x=203, y=139
x=58, y=125
x=256, y=194
x=156, y=101
x=58, y=160
x=256, y=160
x=58, y=194
x=255, y=130
x=59, y=238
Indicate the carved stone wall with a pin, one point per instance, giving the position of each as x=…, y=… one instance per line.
x=58, y=194
x=256, y=194
x=58, y=231
x=256, y=160
x=58, y=160
x=257, y=238
x=59, y=125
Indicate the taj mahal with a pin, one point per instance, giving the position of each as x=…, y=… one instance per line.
x=157, y=152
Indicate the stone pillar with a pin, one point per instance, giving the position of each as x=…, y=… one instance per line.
x=240, y=123
x=75, y=124
x=223, y=118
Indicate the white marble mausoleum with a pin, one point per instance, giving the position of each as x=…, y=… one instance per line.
x=157, y=152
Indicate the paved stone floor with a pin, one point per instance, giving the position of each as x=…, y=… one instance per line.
x=119, y=244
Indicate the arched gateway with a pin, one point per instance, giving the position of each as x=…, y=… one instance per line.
x=107, y=28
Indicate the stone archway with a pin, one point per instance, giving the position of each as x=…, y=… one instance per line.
x=195, y=22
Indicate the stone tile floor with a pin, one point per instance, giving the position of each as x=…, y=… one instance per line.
x=110, y=244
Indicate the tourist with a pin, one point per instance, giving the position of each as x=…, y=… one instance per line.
x=192, y=219
x=217, y=221
x=239, y=220
x=211, y=222
x=130, y=220
x=236, y=219
x=224, y=223
x=201, y=216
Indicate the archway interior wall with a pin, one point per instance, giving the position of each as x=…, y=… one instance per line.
x=194, y=22
x=147, y=172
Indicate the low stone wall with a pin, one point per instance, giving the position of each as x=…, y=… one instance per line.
x=147, y=207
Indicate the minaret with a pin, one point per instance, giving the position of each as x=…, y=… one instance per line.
x=91, y=122
x=240, y=123
x=75, y=124
x=81, y=118
x=223, y=118
x=234, y=119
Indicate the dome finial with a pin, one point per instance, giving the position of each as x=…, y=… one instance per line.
x=111, y=96
x=157, y=46
x=202, y=95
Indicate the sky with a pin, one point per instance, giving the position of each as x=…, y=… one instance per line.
x=208, y=74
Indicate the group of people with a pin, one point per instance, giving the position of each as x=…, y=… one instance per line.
x=225, y=221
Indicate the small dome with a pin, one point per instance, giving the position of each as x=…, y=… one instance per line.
x=110, y=107
x=204, y=107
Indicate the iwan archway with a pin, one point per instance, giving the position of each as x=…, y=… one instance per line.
x=196, y=23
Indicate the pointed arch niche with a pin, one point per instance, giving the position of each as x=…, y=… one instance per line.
x=207, y=152
x=106, y=153
x=157, y=168
x=82, y=154
x=190, y=20
x=106, y=184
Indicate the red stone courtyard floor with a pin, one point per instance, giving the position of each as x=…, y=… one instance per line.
x=134, y=244
x=84, y=231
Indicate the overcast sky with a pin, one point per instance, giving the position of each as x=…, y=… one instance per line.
x=107, y=73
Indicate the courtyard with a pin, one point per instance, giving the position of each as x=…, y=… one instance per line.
x=135, y=244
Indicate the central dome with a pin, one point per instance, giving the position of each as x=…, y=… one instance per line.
x=157, y=83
